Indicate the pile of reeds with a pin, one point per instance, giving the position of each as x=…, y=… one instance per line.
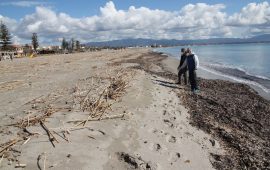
x=34, y=119
x=97, y=103
x=117, y=87
x=95, y=106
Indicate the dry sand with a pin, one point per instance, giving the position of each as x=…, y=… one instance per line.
x=155, y=132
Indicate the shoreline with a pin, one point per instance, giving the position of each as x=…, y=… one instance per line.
x=205, y=73
x=236, y=115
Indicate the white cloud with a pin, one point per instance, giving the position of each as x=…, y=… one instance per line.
x=23, y=3
x=252, y=14
x=193, y=21
x=11, y=23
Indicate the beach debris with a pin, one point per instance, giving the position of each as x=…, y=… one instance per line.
x=97, y=104
x=44, y=161
x=8, y=151
x=94, y=95
x=117, y=87
x=1, y=159
x=33, y=120
x=19, y=165
x=98, y=119
x=236, y=115
x=27, y=140
x=8, y=144
x=91, y=137
x=49, y=133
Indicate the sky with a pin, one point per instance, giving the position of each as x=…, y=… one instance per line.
x=101, y=20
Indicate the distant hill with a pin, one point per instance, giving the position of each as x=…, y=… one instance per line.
x=173, y=42
x=264, y=37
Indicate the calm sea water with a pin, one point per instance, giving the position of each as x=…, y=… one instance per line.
x=243, y=62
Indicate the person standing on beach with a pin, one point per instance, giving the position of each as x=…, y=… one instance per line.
x=192, y=63
x=182, y=71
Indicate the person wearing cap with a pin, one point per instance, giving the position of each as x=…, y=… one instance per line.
x=182, y=71
x=192, y=63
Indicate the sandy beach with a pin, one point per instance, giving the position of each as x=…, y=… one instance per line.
x=121, y=109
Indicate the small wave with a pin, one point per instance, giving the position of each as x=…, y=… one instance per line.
x=236, y=70
x=167, y=54
x=259, y=76
x=240, y=80
x=220, y=65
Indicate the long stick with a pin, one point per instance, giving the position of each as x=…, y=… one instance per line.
x=60, y=136
x=26, y=141
x=38, y=159
x=1, y=159
x=9, y=145
x=44, y=163
x=102, y=118
x=50, y=135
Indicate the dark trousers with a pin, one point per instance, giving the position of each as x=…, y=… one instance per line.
x=184, y=73
x=193, y=80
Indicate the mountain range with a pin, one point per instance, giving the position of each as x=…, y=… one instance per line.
x=173, y=42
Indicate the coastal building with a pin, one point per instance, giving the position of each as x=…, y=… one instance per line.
x=18, y=49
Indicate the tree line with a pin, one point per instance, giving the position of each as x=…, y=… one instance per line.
x=5, y=37
x=70, y=45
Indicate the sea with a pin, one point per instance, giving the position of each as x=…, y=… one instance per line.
x=244, y=63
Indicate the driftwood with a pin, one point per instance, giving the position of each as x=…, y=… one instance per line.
x=100, y=118
x=27, y=140
x=92, y=101
x=63, y=137
x=30, y=121
x=19, y=165
x=49, y=133
x=38, y=159
x=1, y=159
x=98, y=106
x=44, y=161
x=31, y=133
x=9, y=144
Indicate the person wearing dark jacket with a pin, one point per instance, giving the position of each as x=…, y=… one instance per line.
x=182, y=71
x=192, y=63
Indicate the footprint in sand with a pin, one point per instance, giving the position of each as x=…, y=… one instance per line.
x=174, y=157
x=171, y=139
x=168, y=123
x=155, y=147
